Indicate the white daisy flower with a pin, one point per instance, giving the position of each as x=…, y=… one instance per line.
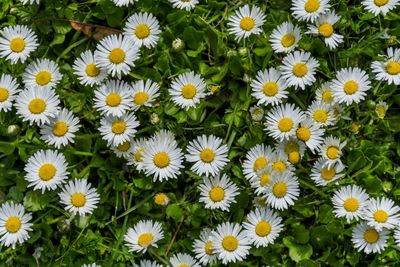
x=397, y=237
x=293, y=148
x=382, y=213
x=162, y=158
x=323, y=175
x=136, y=157
x=145, y=234
x=331, y=150
x=187, y=90
x=123, y=2
x=280, y=163
x=8, y=91
x=31, y=2
x=184, y=260
x=143, y=28
x=91, y=265
x=324, y=94
x=311, y=134
x=350, y=86
x=144, y=93
x=124, y=150
x=381, y=109
x=184, y=4
x=321, y=113
x=117, y=130
x=218, y=192
x=17, y=42
x=262, y=181
x=37, y=105
x=61, y=129
x=147, y=263
x=230, y=242
x=379, y=6
x=116, y=54
x=263, y=226
x=88, y=72
x=350, y=202
x=283, y=191
x=257, y=158
x=208, y=153
x=79, y=197
x=246, y=21
x=14, y=224
x=113, y=98
x=269, y=87
x=324, y=26
x=46, y=169
x=282, y=121
x=43, y=73
x=285, y=37
x=298, y=68
x=368, y=239
x=388, y=70
x=203, y=248
x=309, y=10
x=257, y=113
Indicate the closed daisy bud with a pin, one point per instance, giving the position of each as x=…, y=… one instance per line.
x=214, y=89
x=154, y=118
x=161, y=199
x=178, y=45
x=355, y=127
x=257, y=113
x=13, y=130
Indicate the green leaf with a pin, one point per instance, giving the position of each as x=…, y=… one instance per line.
x=174, y=211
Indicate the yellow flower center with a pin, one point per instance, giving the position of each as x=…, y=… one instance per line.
x=328, y=173
x=60, y=128
x=17, y=45
x=92, y=70
x=37, y=106
x=311, y=6
x=393, y=68
x=263, y=228
x=161, y=159
x=43, y=77
x=303, y=134
x=145, y=239
x=230, y=243
x=351, y=204
x=381, y=111
x=300, y=70
x=117, y=56
x=285, y=124
x=288, y=40
x=161, y=199
x=320, y=115
x=332, y=152
x=294, y=157
x=118, y=127
x=13, y=224
x=279, y=189
x=142, y=31
x=279, y=166
x=381, y=216
x=124, y=146
x=140, y=98
x=217, y=194
x=189, y=91
x=78, y=200
x=183, y=264
x=208, y=248
x=265, y=179
x=139, y=154
x=113, y=99
x=326, y=30
x=380, y=2
x=350, y=87
x=327, y=96
x=4, y=94
x=270, y=88
x=260, y=163
x=247, y=24
x=207, y=155
x=47, y=172
x=371, y=236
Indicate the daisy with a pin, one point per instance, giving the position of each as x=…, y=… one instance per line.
x=144, y=93
x=331, y=150
x=125, y=150
x=162, y=158
x=283, y=191
x=79, y=197
x=263, y=226
x=208, y=154
x=381, y=109
x=184, y=260
x=8, y=91
x=117, y=130
x=246, y=21
x=88, y=72
x=256, y=159
x=116, y=54
x=324, y=26
x=203, y=248
x=184, y=4
x=43, y=73
x=382, y=213
x=257, y=113
x=311, y=134
x=320, y=113
x=218, y=192
x=263, y=180
x=145, y=234
x=325, y=94
x=269, y=87
x=161, y=199
x=279, y=162
x=136, y=157
x=123, y=2
x=282, y=121
x=113, y=98
x=91, y=265
x=187, y=90
x=379, y=6
x=298, y=68
x=17, y=42
x=285, y=37
x=368, y=239
x=309, y=10
x=322, y=175
x=61, y=129
x=230, y=242
x=37, y=105
x=388, y=70
x=350, y=86
x=14, y=224
x=147, y=263
x=46, y=169
x=397, y=237
x=350, y=202
x=143, y=28
x=293, y=148
x=30, y=2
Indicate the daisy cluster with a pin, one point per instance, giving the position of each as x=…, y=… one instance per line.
x=270, y=170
